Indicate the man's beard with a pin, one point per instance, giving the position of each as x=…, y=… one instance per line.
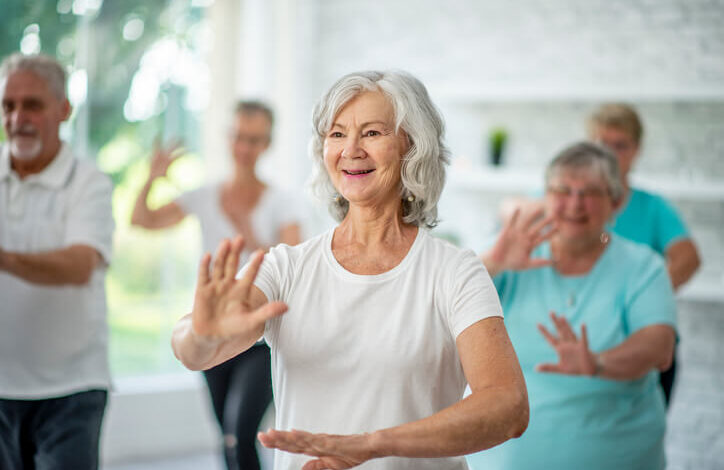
x=25, y=147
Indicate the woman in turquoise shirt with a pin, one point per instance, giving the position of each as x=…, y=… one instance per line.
x=644, y=217
x=592, y=325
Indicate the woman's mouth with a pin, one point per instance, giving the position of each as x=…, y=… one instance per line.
x=357, y=172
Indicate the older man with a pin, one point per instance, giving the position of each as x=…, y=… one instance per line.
x=55, y=244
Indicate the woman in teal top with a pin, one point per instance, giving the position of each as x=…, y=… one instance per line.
x=644, y=217
x=592, y=318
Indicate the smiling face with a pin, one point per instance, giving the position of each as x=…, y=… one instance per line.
x=580, y=203
x=362, y=152
x=31, y=116
x=620, y=142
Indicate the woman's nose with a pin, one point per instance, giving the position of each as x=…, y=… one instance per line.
x=352, y=148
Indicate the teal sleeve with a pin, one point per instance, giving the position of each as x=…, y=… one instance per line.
x=671, y=225
x=650, y=299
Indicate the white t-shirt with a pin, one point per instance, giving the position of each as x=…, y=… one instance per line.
x=53, y=340
x=274, y=210
x=357, y=353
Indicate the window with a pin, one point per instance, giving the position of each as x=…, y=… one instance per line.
x=136, y=73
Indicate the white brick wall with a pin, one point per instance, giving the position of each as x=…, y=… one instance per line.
x=538, y=68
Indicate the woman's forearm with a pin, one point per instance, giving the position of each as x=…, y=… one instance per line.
x=194, y=352
x=649, y=348
x=482, y=420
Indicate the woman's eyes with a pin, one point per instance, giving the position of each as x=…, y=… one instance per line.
x=370, y=133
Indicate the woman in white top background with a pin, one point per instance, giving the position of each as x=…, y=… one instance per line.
x=376, y=327
x=240, y=388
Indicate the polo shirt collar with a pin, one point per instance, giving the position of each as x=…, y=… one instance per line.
x=54, y=176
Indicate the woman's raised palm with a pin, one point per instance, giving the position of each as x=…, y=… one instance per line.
x=224, y=306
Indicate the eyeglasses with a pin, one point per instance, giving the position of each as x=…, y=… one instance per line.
x=252, y=140
x=585, y=193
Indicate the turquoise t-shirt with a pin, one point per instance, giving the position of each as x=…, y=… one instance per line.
x=585, y=422
x=649, y=219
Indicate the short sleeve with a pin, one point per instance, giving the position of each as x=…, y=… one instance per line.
x=671, y=225
x=90, y=219
x=473, y=296
x=191, y=201
x=650, y=299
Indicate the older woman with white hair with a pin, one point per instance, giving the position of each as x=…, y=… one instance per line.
x=375, y=327
x=595, y=402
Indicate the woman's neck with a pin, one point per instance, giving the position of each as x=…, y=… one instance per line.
x=244, y=179
x=374, y=225
x=577, y=256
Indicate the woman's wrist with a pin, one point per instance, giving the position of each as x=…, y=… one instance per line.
x=598, y=365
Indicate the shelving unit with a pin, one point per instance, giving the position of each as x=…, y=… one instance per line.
x=523, y=181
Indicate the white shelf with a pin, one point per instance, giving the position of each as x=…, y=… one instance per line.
x=516, y=181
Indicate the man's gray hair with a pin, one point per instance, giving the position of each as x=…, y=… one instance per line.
x=590, y=157
x=43, y=66
x=423, y=167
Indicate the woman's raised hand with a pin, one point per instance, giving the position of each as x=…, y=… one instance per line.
x=521, y=233
x=226, y=307
x=574, y=357
x=163, y=157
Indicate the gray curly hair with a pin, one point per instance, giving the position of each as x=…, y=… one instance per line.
x=589, y=156
x=423, y=166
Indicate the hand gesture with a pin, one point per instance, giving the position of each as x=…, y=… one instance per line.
x=332, y=452
x=163, y=157
x=574, y=357
x=225, y=307
x=519, y=237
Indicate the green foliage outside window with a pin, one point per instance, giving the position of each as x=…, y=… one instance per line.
x=108, y=47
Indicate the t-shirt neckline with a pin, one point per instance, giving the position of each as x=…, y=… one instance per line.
x=370, y=278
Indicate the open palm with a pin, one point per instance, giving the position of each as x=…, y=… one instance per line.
x=225, y=307
x=574, y=356
x=332, y=452
x=521, y=234
x=163, y=157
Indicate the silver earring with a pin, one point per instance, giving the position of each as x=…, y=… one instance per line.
x=411, y=198
x=604, y=237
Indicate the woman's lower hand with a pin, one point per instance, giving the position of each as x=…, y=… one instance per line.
x=574, y=356
x=333, y=452
x=223, y=305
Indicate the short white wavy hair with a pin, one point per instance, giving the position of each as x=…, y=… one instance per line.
x=423, y=166
x=41, y=65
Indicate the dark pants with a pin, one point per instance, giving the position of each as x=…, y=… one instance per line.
x=57, y=433
x=241, y=391
x=667, y=380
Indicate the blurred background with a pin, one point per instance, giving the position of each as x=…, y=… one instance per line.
x=524, y=73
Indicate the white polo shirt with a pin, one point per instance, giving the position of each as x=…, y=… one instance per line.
x=53, y=340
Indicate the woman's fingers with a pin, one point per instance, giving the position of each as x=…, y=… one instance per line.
x=252, y=269
x=270, y=310
x=565, y=331
x=232, y=260
x=584, y=336
x=552, y=340
x=217, y=272
x=549, y=367
x=203, y=277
